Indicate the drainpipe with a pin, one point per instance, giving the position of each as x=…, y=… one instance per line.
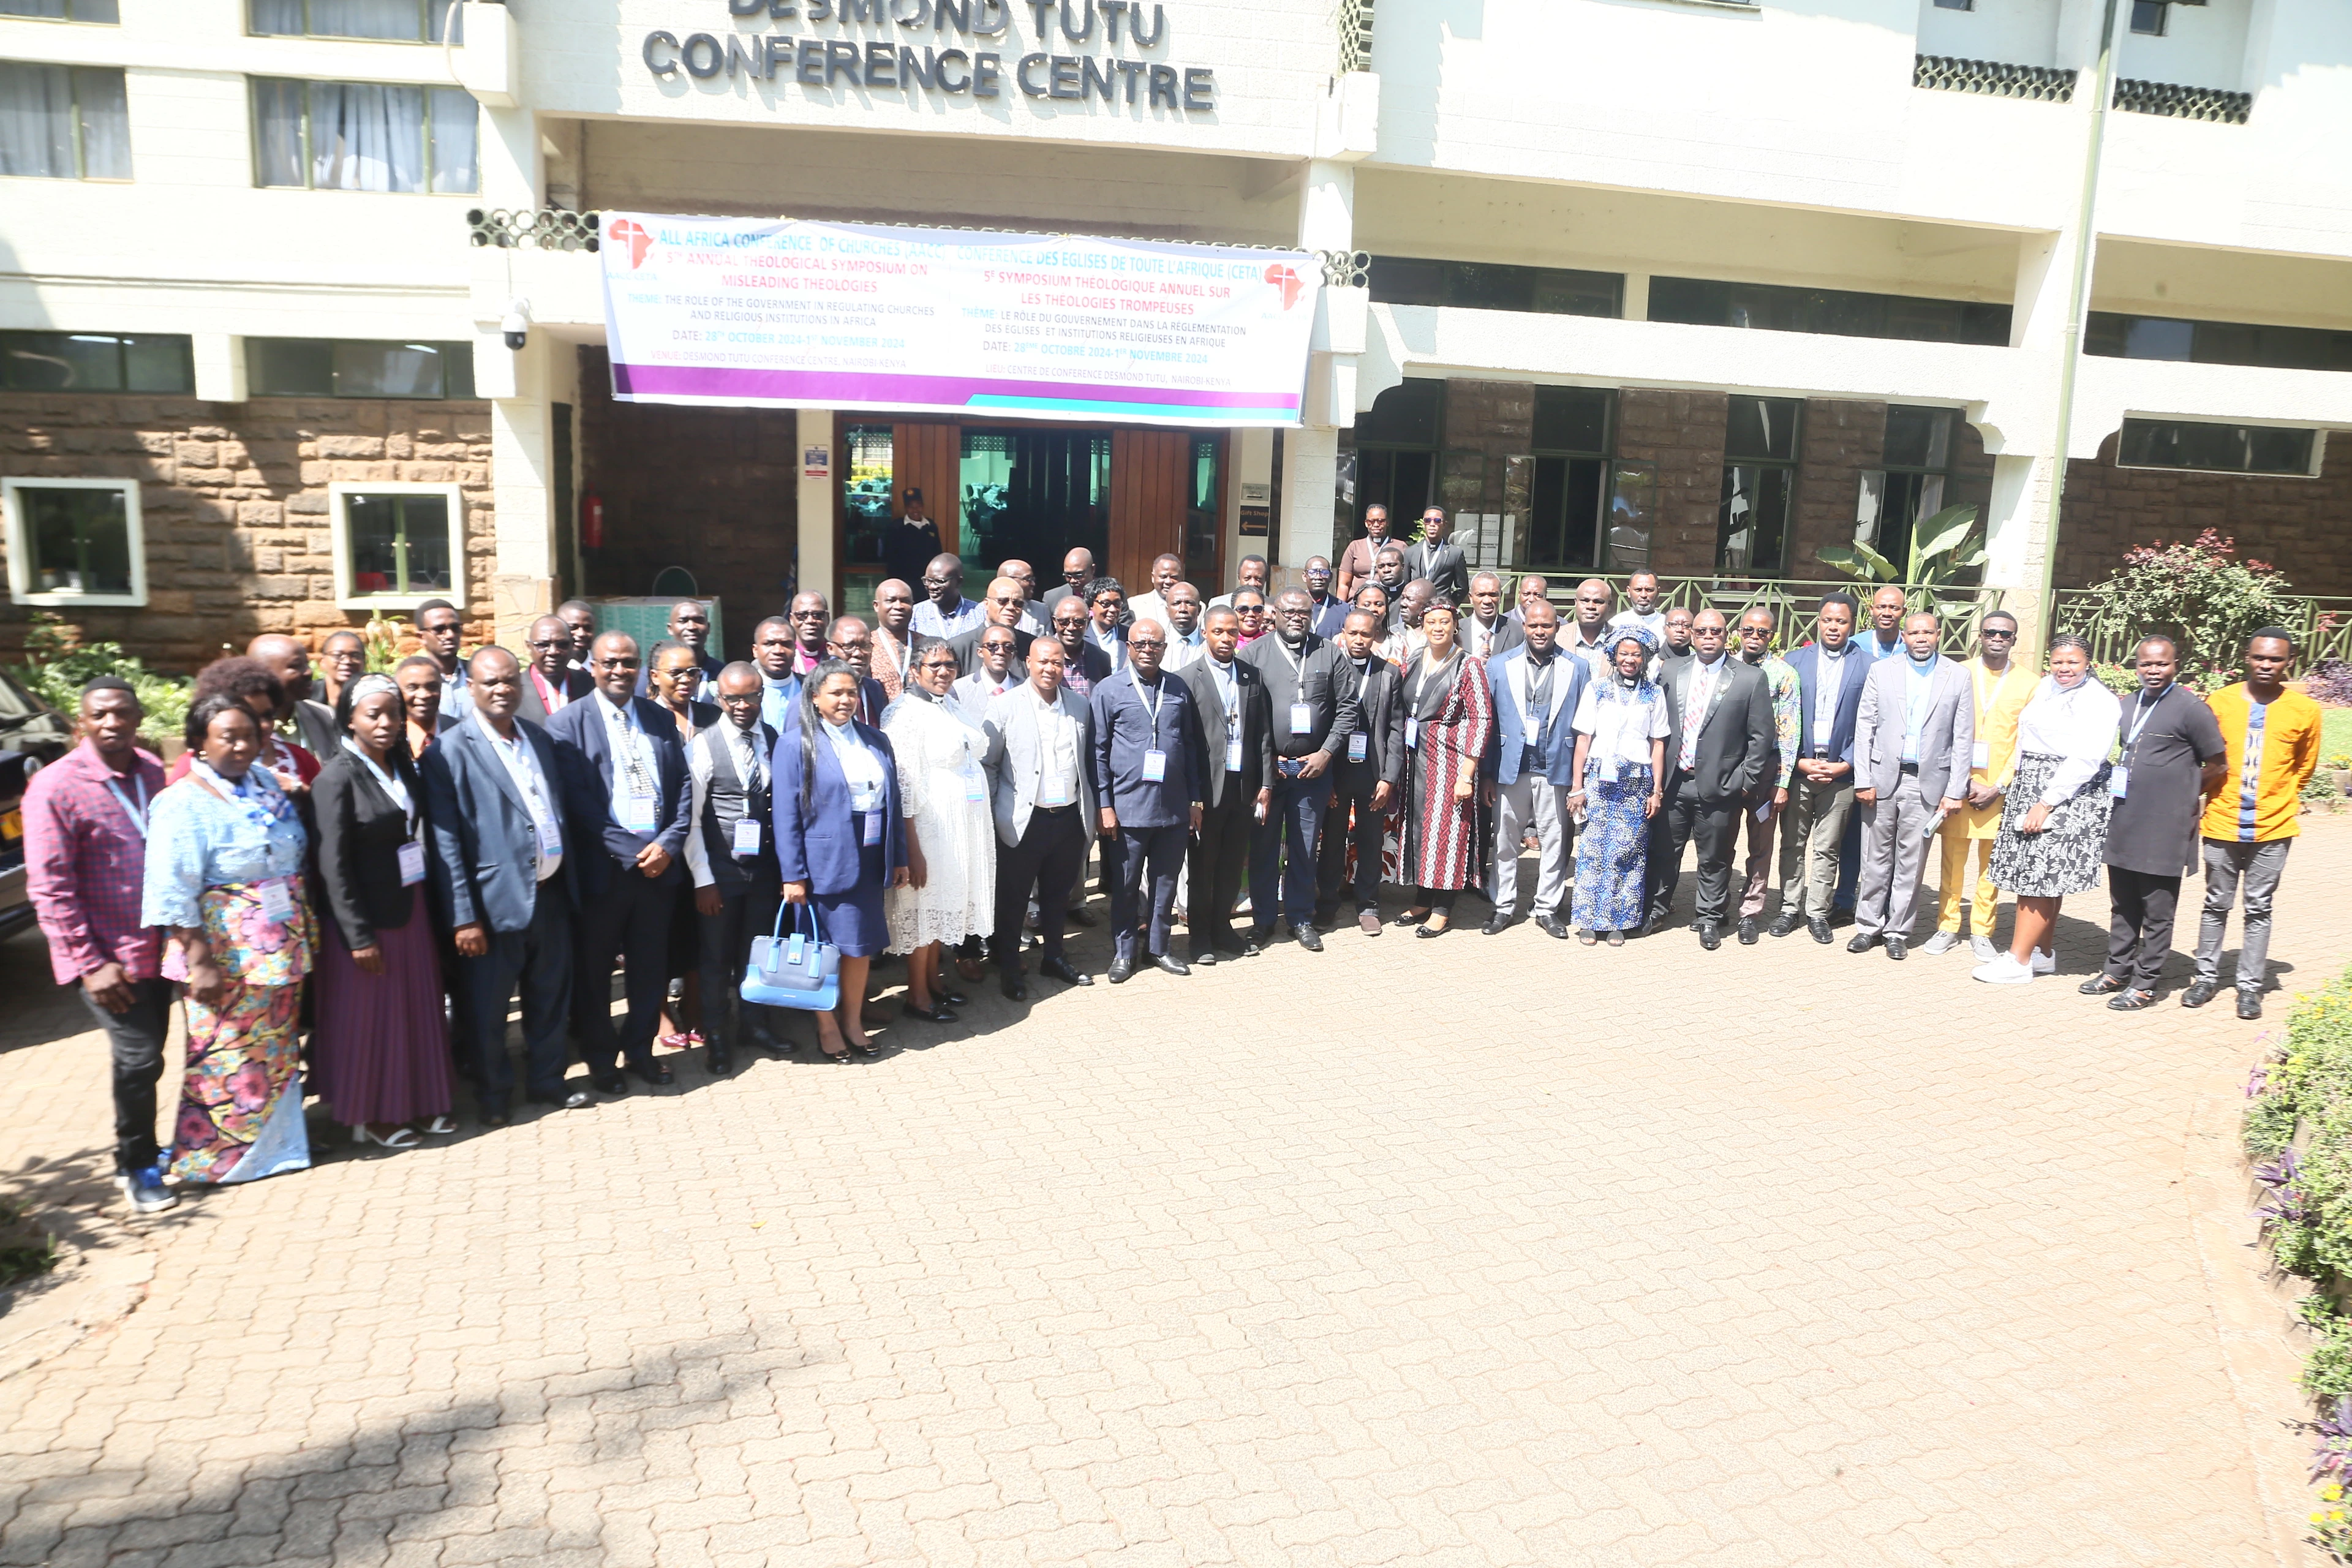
x=2103, y=91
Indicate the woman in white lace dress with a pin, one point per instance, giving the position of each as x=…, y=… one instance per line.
x=950, y=836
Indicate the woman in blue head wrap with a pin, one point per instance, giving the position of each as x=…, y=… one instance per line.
x=1621, y=762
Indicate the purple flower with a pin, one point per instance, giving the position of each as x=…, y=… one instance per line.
x=248, y=1086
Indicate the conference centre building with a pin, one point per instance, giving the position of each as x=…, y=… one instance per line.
x=312, y=310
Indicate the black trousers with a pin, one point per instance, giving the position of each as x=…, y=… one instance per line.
x=1352, y=785
x=1049, y=857
x=539, y=960
x=1687, y=815
x=135, y=1039
x=629, y=921
x=1220, y=855
x=744, y=913
x=2139, y=929
x=1138, y=858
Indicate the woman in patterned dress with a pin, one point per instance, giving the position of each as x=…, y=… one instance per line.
x=225, y=851
x=1449, y=717
x=951, y=892
x=1620, y=768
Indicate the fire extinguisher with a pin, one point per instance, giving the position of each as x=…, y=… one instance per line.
x=591, y=521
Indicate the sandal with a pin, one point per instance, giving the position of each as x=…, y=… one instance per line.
x=2100, y=986
x=1616, y=939
x=441, y=1127
x=2131, y=1001
x=1588, y=938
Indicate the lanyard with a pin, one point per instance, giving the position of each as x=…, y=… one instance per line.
x=551, y=697
x=1151, y=705
x=265, y=814
x=1297, y=664
x=138, y=814
x=2146, y=711
x=524, y=768
x=632, y=758
x=1986, y=703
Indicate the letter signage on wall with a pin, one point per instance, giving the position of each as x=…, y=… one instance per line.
x=772, y=312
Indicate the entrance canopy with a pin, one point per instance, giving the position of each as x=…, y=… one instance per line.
x=779, y=313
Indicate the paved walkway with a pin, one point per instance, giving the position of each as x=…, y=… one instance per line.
x=1483, y=1251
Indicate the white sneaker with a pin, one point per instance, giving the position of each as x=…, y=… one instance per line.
x=2045, y=963
x=1942, y=943
x=2003, y=971
x=1983, y=948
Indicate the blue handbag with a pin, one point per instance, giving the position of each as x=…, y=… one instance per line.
x=801, y=970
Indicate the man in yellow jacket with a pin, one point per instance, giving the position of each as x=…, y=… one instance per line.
x=2272, y=735
x=2002, y=690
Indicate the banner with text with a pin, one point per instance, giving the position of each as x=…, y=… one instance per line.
x=769, y=313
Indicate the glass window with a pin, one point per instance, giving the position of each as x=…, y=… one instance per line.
x=2217, y=448
x=866, y=499
x=2118, y=336
x=1773, y=307
x=397, y=544
x=65, y=10
x=74, y=541
x=1204, y=516
x=1569, y=478
x=2147, y=17
x=1490, y=286
x=1390, y=455
x=1759, y=482
x=1955, y=4
x=64, y=123
x=95, y=362
x=364, y=136
x=1918, y=466
x=322, y=367
x=1632, y=513
x=1033, y=495
x=408, y=21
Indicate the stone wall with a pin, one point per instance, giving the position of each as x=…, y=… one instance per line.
x=2299, y=525
x=233, y=499
x=1486, y=423
x=716, y=490
x=1682, y=433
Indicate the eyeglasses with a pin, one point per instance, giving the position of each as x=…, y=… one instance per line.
x=1146, y=642
x=1994, y=632
x=538, y=642
x=617, y=664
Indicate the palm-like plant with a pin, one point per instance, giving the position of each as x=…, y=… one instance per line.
x=1942, y=547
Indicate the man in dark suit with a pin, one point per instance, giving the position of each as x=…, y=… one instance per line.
x=1433, y=557
x=850, y=641
x=1003, y=605
x=1483, y=627
x=1831, y=674
x=1236, y=729
x=1078, y=571
x=731, y=856
x=498, y=793
x=1717, y=751
x=1535, y=688
x=550, y=684
x=1083, y=664
x=630, y=832
x=689, y=624
x=290, y=661
x=1149, y=764
x=1314, y=707
x=1367, y=780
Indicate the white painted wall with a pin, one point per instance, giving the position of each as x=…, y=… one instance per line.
x=2014, y=32
x=2202, y=46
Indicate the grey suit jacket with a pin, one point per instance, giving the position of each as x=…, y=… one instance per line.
x=1015, y=761
x=1945, y=740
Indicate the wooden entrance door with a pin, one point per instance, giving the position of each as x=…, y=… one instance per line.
x=1151, y=476
x=928, y=458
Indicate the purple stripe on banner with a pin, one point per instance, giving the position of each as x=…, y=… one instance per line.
x=849, y=388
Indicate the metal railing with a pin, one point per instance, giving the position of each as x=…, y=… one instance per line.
x=1795, y=603
x=1949, y=73
x=2322, y=628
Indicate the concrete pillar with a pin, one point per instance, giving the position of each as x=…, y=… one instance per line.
x=2020, y=523
x=1327, y=221
x=814, y=566
x=220, y=367
x=1310, y=475
x=523, y=481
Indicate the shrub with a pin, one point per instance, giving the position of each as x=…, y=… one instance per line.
x=2199, y=591
x=57, y=665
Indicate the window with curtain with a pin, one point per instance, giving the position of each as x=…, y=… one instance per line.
x=364, y=136
x=1760, y=483
x=401, y=21
x=65, y=10
x=64, y=123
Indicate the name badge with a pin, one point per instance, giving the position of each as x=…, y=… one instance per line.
x=412, y=863
x=1357, y=746
x=975, y=788
x=1302, y=717
x=1155, y=767
x=1981, y=754
x=635, y=812
x=2118, y=780
x=872, y=832
x=1411, y=733
x=276, y=900
x=551, y=837
x=747, y=836
x=1233, y=754
x=1052, y=793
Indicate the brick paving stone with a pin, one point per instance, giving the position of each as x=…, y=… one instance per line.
x=1493, y=1250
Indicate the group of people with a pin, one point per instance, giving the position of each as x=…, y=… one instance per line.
x=389, y=862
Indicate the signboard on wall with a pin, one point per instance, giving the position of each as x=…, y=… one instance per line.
x=777, y=313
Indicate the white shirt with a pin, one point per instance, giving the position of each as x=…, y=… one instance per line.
x=1829, y=684
x=522, y=767
x=1655, y=622
x=930, y=623
x=1184, y=651
x=1620, y=731
x=1057, y=751
x=859, y=766
x=635, y=770
x=1114, y=646
x=750, y=767
x=2077, y=726
x=1150, y=607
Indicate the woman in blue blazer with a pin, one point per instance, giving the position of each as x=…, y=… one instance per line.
x=841, y=839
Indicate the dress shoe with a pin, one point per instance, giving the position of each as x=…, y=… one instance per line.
x=2199, y=992
x=1747, y=931
x=1308, y=938
x=1368, y=922
x=1552, y=926
x=1079, y=917
x=1819, y=929
x=1326, y=915
x=2099, y=985
x=498, y=1118
x=610, y=1083
x=1862, y=942
x=1710, y=934
x=717, y=1063
x=1122, y=969
x=763, y=1041
x=1840, y=917
x=1250, y=948
x=1168, y=963
x=653, y=1073
x=2250, y=1003
x=1784, y=922
x=1497, y=923
x=1015, y=985
x=950, y=998
x=570, y=1100
x=1204, y=955
x=937, y=1013
x=1060, y=968
x=1897, y=949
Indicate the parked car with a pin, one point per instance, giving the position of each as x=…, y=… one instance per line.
x=31, y=733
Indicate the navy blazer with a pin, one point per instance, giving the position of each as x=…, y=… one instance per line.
x=822, y=844
x=1124, y=731
x=484, y=860
x=580, y=729
x=1510, y=743
x=1805, y=661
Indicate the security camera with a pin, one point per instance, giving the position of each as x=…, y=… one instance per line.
x=516, y=324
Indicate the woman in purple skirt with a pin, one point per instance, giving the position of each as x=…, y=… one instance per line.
x=380, y=1053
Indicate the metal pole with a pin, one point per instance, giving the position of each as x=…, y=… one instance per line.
x=2101, y=92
